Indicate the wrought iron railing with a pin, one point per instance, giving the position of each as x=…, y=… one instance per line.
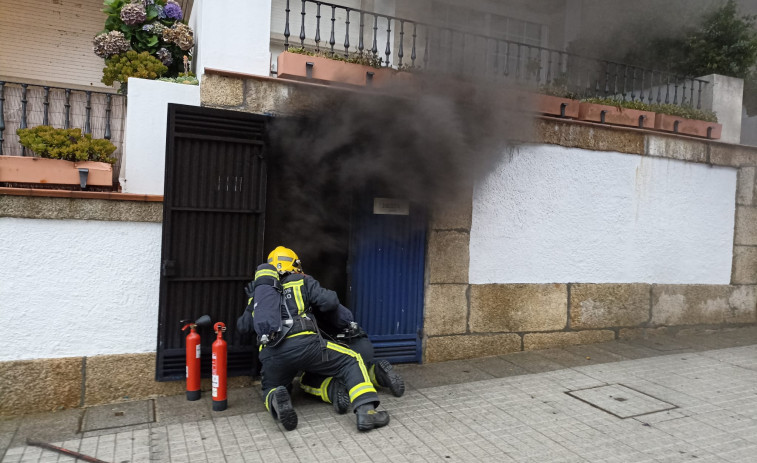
x=408, y=44
x=24, y=105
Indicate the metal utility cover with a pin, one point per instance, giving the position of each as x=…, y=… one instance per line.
x=621, y=401
x=117, y=415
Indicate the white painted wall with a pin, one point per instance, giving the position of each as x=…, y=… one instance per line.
x=143, y=165
x=724, y=95
x=73, y=288
x=233, y=35
x=748, y=129
x=549, y=214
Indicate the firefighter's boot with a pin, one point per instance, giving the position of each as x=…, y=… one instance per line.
x=368, y=418
x=386, y=376
x=281, y=408
x=339, y=396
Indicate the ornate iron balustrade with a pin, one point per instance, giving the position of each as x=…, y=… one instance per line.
x=446, y=50
x=24, y=105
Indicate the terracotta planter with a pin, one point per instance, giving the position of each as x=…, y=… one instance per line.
x=387, y=77
x=25, y=169
x=554, y=105
x=615, y=115
x=323, y=70
x=677, y=124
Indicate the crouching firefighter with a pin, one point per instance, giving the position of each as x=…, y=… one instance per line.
x=340, y=327
x=283, y=303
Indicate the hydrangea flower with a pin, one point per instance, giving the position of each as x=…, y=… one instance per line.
x=180, y=34
x=172, y=10
x=148, y=27
x=161, y=13
x=133, y=14
x=110, y=43
x=164, y=56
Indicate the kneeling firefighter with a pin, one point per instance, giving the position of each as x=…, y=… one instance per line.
x=340, y=327
x=283, y=301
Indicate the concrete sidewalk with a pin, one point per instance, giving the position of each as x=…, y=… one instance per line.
x=659, y=400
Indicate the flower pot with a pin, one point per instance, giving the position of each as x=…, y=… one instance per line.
x=554, y=105
x=24, y=169
x=388, y=77
x=322, y=70
x=677, y=124
x=615, y=115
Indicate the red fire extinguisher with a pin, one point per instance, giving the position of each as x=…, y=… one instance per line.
x=193, y=355
x=219, y=369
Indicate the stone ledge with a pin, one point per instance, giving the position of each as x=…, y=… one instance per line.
x=608, y=305
x=446, y=309
x=39, y=207
x=703, y=305
x=440, y=349
x=43, y=385
x=534, y=341
x=518, y=307
x=40, y=385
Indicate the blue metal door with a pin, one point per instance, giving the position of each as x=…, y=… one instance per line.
x=387, y=255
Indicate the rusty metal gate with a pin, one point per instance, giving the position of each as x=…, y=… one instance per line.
x=213, y=227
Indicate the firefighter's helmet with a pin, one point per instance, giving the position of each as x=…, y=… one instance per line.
x=285, y=260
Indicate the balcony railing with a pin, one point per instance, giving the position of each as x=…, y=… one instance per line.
x=408, y=44
x=25, y=105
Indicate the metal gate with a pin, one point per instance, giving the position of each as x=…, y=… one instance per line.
x=387, y=260
x=213, y=225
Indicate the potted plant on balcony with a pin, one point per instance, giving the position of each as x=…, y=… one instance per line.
x=327, y=67
x=151, y=30
x=616, y=112
x=554, y=99
x=687, y=120
x=61, y=157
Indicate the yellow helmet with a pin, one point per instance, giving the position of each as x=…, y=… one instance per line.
x=285, y=260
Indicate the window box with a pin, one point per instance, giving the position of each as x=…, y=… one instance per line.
x=616, y=115
x=677, y=124
x=324, y=70
x=27, y=169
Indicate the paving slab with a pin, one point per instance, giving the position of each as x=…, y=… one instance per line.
x=506, y=408
x=118, y=415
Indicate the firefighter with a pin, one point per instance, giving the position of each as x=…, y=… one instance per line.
x=341, y=327
x=283, y=302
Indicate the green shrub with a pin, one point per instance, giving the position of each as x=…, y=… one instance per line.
x=685, y=111
x=118, y=68
x=66, y=144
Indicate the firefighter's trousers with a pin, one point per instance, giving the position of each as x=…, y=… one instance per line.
x=303, y=352
x=317, y=384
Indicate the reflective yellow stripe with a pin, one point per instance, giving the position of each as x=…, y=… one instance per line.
x=359, y=358
x=372, y=374
x=266, y=273
x=249, y=301
x=300, y=333
x=361, y=389
x=267, y=398
x=296, y=287
x=321, y=392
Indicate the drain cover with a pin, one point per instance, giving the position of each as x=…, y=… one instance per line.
x=117, y=415
x=621, y=401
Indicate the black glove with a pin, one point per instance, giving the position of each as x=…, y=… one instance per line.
x=249, y=289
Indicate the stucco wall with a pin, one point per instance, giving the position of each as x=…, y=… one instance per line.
x=143, y=166
x=78, y=287
x=549, y=214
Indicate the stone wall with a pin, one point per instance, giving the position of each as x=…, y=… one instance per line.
x=465, y=321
